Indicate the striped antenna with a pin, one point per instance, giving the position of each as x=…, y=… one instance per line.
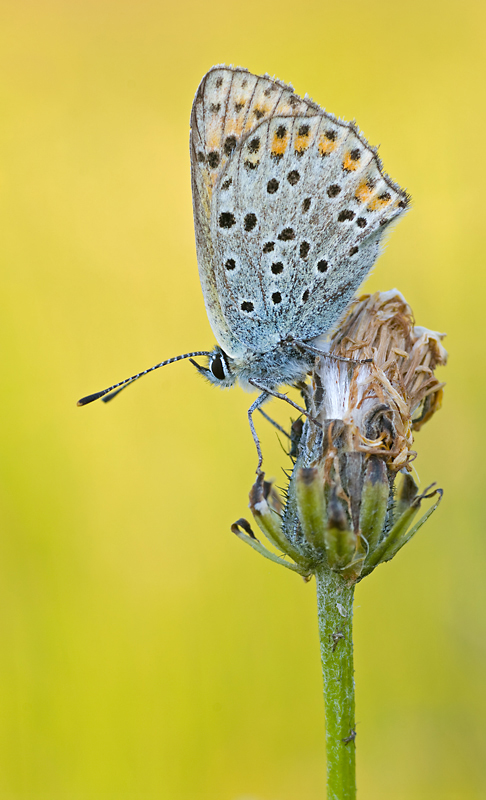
x=112, y=391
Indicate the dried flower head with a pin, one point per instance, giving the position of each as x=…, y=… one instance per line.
x=385, y=400
x=344, y=507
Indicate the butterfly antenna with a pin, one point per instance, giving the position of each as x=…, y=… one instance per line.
x=112, y=391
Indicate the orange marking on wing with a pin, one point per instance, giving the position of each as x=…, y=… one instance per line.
x=364, y=192
x=234, y=127
x=279, y=145
x=301, y=143
x=350, y=164
x=213, y=141
x=326, y=146
x=379, y=202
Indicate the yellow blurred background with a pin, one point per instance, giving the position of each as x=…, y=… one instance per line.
x=144, y=651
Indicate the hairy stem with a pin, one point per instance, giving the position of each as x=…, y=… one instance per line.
x=335, y=617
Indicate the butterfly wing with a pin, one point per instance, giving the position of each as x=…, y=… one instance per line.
x=229, y=104
x=290, y=204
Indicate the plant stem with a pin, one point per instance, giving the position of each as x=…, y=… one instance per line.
x=335, y=617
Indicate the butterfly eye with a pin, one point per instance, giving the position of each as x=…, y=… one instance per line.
x=217, y=368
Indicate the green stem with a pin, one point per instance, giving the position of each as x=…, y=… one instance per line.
x=335, y=616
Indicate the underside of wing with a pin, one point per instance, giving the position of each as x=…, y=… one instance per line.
x=297, y=216
x=290, y=205
x=229, y=104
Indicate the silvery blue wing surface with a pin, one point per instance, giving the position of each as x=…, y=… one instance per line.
x=290, y=205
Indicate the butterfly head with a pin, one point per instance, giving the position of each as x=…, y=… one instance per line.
x=219, y=370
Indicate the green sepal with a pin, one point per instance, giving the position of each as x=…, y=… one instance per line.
x=311, y=505
x=250, y=538
x=374, y=502
x=406, y=494
x=401, y=533
x=339, y=540
x=270, y=523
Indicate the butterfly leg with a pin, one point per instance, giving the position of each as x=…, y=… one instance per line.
x=258, y=402
x=265, y=394
x=282, y=396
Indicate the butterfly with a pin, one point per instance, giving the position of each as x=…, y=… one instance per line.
x=290, y=205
